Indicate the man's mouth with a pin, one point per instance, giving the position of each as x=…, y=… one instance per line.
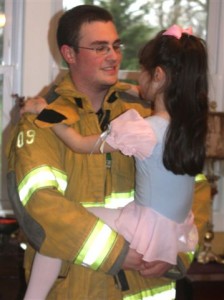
x=110, y=69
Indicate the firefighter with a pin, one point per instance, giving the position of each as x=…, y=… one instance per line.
x=50, y=186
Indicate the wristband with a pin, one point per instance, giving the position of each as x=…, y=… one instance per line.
x=102, y=140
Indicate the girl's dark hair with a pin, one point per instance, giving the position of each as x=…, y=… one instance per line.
x=184, y=62
x=68, y=32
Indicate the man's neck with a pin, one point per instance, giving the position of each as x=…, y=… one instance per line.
x=96, y=98
x=95, y=95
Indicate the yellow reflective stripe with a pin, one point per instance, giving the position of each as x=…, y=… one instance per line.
x=190, y=256
x=93, y=204
x=44, y=176
x=200, y=177
x=115, y=200
x=165, y=292
x=97, y=246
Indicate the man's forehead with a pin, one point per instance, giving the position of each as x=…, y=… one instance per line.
x=98, y=31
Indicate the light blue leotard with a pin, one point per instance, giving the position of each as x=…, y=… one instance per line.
x=169, y=194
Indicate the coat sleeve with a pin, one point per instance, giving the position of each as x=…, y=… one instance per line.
x=54, y=225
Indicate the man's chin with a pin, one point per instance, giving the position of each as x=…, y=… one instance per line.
x=111, y=82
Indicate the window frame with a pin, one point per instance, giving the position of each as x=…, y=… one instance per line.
x=11, y=70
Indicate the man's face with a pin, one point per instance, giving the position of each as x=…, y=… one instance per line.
x=92, y=69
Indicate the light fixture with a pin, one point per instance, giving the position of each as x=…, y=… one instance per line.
x=2, y=20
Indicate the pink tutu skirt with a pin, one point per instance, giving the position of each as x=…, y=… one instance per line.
x=150, y=233
x=155, y=236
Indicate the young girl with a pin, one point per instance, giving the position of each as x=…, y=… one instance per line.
x=169, y=150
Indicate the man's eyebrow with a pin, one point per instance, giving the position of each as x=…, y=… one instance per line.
x=105, y=42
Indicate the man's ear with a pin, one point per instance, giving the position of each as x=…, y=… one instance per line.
x=68, y=54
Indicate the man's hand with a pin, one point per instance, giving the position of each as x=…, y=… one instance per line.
x=133, y=261
x=155, y=269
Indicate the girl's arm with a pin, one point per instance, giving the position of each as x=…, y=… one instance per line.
x=79, y=143
x=75, y=141
x=130, y=134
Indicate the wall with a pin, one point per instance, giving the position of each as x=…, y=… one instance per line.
x=37, y=62
x=215, y=45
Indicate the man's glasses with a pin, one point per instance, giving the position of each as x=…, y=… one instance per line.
x=105, y=49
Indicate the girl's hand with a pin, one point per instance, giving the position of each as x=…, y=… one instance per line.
x=33, y=105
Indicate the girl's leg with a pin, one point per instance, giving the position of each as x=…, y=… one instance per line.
x=108, y=215
x=45, y=271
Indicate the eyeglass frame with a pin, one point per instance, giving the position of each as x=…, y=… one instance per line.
x=104, y=49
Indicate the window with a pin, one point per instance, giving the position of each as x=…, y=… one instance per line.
x=143, y=19
x=10, y=69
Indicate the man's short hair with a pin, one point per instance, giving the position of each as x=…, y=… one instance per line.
x=71, y=21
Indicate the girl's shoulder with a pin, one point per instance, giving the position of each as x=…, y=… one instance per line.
x=158, y=124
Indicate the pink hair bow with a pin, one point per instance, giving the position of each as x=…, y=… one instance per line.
x=177, y=31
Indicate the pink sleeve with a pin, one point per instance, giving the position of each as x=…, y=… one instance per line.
x=132, y=135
